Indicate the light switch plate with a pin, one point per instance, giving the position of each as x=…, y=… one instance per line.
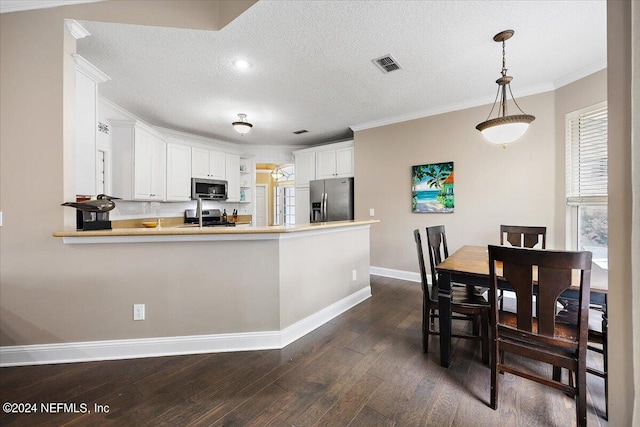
x=372, y=212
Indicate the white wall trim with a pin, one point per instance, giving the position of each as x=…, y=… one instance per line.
x=43, y=354
x=22, y=5
x=308, y=324
x=397, y=274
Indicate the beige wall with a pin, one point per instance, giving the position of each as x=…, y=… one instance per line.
x=493, y=185
x=622, y=397
x=344, y=252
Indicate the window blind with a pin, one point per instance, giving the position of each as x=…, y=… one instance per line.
x=586, y=156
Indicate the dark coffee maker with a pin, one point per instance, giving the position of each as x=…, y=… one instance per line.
x=92, y=220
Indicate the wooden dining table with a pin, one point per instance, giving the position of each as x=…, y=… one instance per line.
x=469, y=265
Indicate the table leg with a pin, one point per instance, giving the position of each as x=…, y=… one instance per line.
x=444, y=308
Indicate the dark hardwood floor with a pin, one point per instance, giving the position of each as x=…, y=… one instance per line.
x=364, y=368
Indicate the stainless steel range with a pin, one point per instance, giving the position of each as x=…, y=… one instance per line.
x=210, y=218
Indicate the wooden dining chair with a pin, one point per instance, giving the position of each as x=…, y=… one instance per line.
x=597, y=341
x=542, y=338
x=465, y=302
x=522, y=236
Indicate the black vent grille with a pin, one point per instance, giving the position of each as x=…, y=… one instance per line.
x=387, y=63
x=298, y=132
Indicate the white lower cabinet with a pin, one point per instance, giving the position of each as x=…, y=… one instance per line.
x=178, y=172
x=139, y=162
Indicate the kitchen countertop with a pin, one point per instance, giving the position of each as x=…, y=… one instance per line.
x=189, y=230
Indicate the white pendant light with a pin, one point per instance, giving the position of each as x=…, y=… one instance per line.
x=504, y=129
x=242, y=126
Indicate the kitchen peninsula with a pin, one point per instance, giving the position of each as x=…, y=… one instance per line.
x=222, y=288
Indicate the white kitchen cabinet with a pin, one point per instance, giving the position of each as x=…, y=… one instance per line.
x=232, y=166
x=86, y=126
x=303, y=207
x=209, y=164
x=139, y=161
x=334, y=163
x=305, y=168
x=178, y=172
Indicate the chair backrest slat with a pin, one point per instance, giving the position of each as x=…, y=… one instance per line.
x=523, y=236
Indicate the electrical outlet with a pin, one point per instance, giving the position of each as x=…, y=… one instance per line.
x=372, y=212
x=353, y=275
x=138, y=311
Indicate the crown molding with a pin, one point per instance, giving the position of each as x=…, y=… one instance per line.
x=75, y=29
x=8, y=6
x=581, y=73
x=457, y=106
x=90, y=70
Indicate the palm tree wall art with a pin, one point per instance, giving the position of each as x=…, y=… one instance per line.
x=432, y=188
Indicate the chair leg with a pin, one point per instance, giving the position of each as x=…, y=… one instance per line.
x=425, y=327
x=476, y=326
x=485, y=337
x=581, y=396
x=605, y=357
x=494, y=374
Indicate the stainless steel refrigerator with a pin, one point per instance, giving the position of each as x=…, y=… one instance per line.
x=331, y=199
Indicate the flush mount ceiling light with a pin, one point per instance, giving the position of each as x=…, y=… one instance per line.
x=242, y=126
x=241, y=64
x=504, y=129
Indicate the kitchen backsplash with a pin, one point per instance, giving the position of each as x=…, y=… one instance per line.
x=130, y=210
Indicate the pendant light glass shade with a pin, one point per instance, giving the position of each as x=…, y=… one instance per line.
x=498, y=131
x=504, y=129
x=242, y=126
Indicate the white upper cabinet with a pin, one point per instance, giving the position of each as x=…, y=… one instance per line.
x=305, y=168
x=86, y=125
x=210, y=164
x=336, y=163
x=327, y=161
x=139, y=162
x=344, y=162
x=178, y=172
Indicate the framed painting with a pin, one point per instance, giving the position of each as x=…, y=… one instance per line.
x=432, y=188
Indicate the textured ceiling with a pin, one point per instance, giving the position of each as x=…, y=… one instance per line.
x=311, y=63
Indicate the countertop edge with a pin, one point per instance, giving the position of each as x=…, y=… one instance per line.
x=153, y=234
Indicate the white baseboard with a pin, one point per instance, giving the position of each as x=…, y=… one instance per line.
x=43, y=354
x=397, y=274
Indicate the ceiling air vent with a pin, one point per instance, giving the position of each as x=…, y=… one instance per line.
x=386, y=63
x=298, y=132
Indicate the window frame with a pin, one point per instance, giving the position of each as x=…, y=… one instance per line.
x=575, y=201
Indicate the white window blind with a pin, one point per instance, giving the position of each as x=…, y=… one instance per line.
x=586, y=156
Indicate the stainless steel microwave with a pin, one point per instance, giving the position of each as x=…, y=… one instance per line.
x=208, y=189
